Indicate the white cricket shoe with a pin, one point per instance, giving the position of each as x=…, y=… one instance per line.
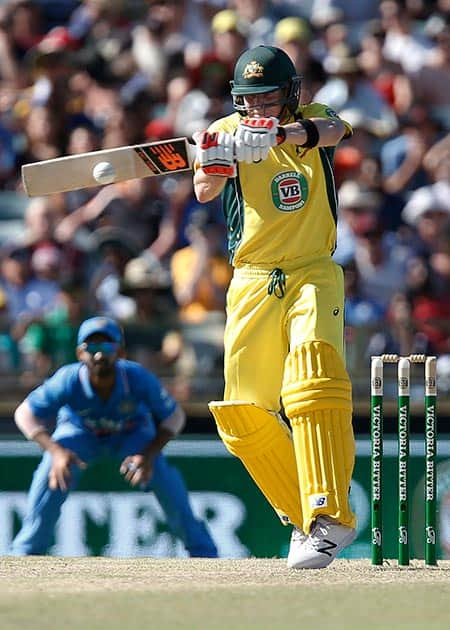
x=320, y=548
x=298, y=537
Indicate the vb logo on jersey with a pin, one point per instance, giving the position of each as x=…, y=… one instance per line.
x=289, y=191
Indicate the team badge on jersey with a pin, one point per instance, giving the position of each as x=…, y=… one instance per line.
x=289, y=191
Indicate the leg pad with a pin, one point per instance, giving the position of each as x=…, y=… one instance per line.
x=317, y=400
x=263, y=442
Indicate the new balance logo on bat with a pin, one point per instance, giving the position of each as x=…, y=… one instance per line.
x=164, y=158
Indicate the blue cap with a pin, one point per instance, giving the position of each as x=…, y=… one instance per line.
x=102, y=325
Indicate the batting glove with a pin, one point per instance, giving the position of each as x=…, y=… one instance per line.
x=215, y=153
x=255, y=137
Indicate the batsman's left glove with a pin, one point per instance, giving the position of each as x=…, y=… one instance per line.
x=255, y=137
x=215, y=153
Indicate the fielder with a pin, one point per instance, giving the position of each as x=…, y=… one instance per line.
x=272, y=163
x=104, y=404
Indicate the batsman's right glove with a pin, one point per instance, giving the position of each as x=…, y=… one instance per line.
x=215, y=153
x=255, y=137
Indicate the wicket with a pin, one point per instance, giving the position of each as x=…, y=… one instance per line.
x=376, y=435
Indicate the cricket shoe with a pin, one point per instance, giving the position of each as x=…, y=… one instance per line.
x=320, y=548
x=298, y=538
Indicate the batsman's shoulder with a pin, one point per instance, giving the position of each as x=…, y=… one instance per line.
x=321, y=110
x=227, y=123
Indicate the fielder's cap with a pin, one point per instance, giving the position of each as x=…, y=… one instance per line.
x=292, y=29
x=100, y=325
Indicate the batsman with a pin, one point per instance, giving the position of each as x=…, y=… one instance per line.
x=287, y=408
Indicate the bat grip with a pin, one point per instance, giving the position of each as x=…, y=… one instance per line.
x=281, y=135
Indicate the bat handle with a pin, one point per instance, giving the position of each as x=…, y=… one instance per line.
x=281, y=135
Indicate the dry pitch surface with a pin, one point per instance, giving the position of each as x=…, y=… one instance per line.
x=91, y=593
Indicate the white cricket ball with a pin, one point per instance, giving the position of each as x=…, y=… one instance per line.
x=104, y=173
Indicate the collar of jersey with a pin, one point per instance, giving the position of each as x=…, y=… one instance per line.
x=86, y=384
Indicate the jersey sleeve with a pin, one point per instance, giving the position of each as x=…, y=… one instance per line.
x=228, y=124
x=46, y=400
x=319, y=110
x=148, y=389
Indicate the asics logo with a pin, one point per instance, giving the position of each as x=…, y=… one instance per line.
x=330, y=545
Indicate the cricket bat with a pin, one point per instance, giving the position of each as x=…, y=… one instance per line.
x=72, y=172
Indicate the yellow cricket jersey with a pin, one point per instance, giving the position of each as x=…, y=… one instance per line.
x=282, y=210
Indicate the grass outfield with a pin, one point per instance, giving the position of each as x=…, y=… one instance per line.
x=204, y=594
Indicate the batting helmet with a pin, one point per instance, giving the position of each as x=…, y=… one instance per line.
x=265, y=69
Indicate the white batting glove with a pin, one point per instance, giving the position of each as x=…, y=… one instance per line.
x=255, y=137
x=215, y=153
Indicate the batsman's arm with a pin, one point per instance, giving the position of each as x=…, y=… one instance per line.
x=207, y=187
x=315, y=132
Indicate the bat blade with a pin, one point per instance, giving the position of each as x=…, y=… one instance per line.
x=73, y=172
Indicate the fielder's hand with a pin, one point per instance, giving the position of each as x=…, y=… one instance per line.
x=60, y=475
x=137, y=469
x=255, y=137
x=215, y=153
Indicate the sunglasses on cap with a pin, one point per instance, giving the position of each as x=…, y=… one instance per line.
x=105, y=347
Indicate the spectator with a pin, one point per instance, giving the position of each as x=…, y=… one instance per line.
x=402, y=160
x=293, y=35
x=351, y=94
x=259, y=17
x=386, y=77
x=137, y=206
x=152, y=324
x=41, y=218
x=200, y=271
x=201, y=274
x=431, y=83
x=402, y=155
x=160, y=43
x=141, y=419
x=404, y=44
x=111, y=249
x=212, y=70
x=50, y=340
x=437, y=160
x=381, y=260
x=427, y=212
x=27, y=297
x=359, y=311
x=350, y=11
x=357, y=207
x=21, y=28
x=103, y=29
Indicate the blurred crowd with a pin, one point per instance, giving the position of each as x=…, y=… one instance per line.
x=79, y=76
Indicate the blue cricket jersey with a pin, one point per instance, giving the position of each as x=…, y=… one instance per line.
x=138, y=397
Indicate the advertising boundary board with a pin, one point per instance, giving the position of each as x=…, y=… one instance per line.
x=104, y=516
